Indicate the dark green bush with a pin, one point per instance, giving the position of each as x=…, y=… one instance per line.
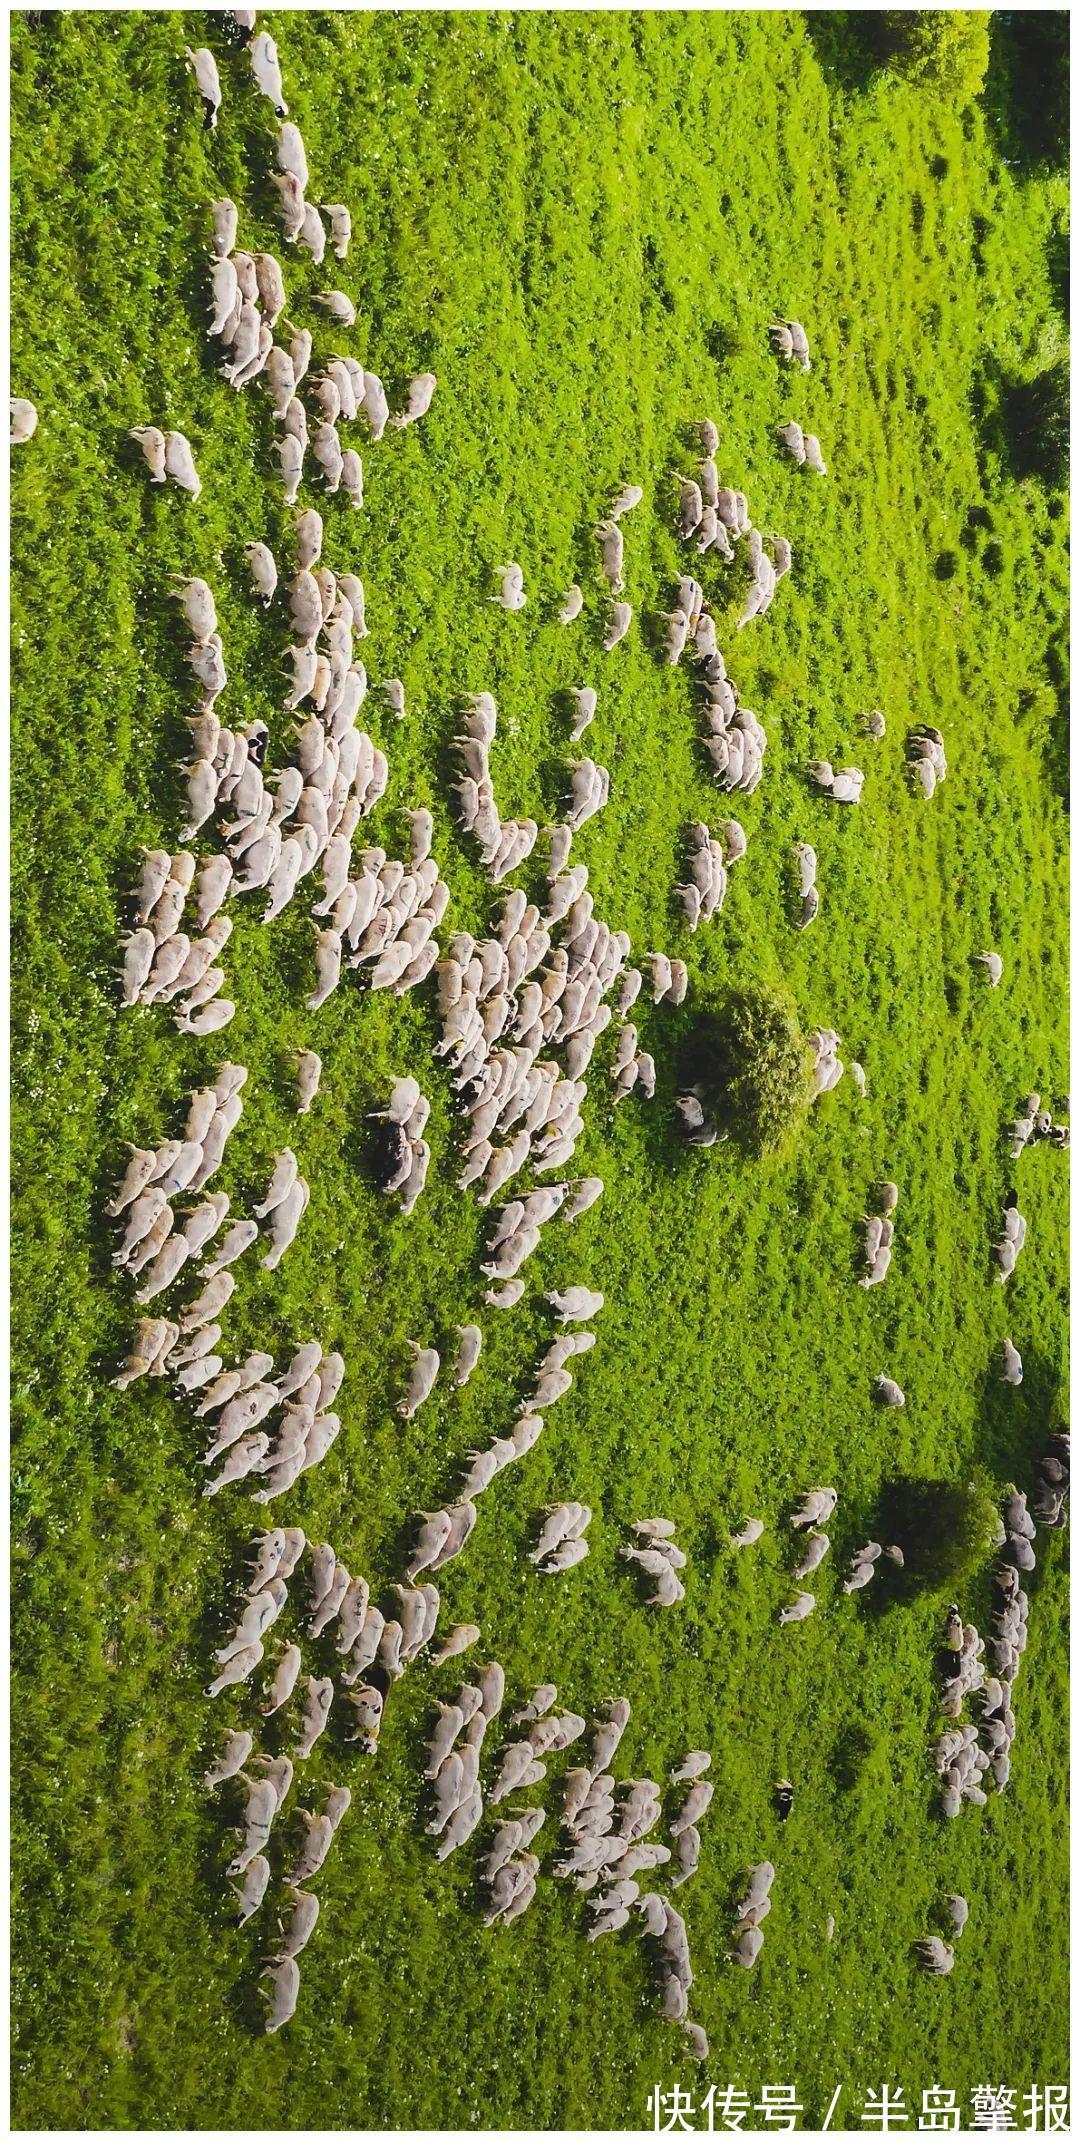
x=946, y=50
x=757, y=1065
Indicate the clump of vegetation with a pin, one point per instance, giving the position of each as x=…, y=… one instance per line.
x=945, y=1527
x=758, y=1067
x=944, y=50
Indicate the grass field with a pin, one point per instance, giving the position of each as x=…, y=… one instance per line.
x=583, y=223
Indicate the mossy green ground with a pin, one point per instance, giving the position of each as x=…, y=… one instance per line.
x=583, y=223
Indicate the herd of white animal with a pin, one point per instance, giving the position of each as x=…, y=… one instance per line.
x=511, y=1005
x=966, y=1755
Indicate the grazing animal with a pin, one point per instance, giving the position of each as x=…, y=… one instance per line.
x=471, y=1340
x=262, y=53
x=511, y=595
x=619, y=622
x=24, y=418
x=420, y=393
x=180, y=463
x=204, y=67
x=993, y=963
x=282, y=1994
x=887, y=1392
x=421, y=1381
x=255, y=1884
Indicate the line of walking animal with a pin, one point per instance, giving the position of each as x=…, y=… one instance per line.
x=336, y=778
x=968, y=1756
x=827, y=1068
x=877, y=1250
x=609, y=535
x=736, y=745
x=751, y=1913
x=815, y=1509
x=1013, y=1237
x=703, y=894
x=402, y=1153
x=153, y=1248
x=166, y=964
x=804, y=447
x=504, y=844
x=274, y=1557
x=735, y=740
x=926, y=761
x=453, y=1770
x=157, y=1250
x=244, y=1397
x=843, y=787
x=656, y=1555
x=1052, y=1484
x=718, y=518
x=961, y=1762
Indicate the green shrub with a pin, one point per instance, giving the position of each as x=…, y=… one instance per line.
x=946, y=50
x=757, y=1064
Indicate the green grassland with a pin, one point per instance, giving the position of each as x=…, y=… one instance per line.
x=583, y=223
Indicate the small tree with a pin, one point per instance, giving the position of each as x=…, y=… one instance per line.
x=945, y=50
x=758, y=1066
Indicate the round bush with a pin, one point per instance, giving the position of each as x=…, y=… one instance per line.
x=946, y=50
x=757, y=1066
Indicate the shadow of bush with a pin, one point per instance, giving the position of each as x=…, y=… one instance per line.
x=944, y=1528
x=1026, y=99
x=1024, y=423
